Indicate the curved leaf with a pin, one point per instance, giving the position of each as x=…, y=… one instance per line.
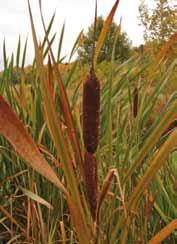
x=14, y=131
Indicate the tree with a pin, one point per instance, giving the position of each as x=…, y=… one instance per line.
x=122, y=49
x=159, y=23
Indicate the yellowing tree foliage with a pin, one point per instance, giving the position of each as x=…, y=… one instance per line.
x=159, y=23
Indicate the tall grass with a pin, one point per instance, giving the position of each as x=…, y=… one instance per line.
x=45, y=195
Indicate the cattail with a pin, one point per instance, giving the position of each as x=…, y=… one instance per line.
x=91, y=181
x=135, y=102
x=91, y=110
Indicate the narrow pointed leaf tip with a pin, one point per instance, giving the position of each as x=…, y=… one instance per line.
x=104, y=32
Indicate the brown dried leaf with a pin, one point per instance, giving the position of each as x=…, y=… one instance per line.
x=14, y=131
x=9, y=216
x=104, y=31
x=106, y=185
x=164, y=233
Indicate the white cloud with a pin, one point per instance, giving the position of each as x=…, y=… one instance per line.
x=77, y=14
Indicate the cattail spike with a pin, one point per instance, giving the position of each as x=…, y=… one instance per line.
x=91, y=181
x=135, y=102
x=91, y=110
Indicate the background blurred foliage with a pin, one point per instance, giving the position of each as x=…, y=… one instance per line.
x=122, y=49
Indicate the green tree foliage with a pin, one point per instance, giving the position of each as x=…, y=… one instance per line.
x=159, y=23
x=122, y=49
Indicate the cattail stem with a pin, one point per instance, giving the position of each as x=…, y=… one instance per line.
x=91, y=112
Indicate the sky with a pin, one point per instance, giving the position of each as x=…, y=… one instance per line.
x=77, y=15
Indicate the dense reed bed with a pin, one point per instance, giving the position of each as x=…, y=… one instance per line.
x=87, y=157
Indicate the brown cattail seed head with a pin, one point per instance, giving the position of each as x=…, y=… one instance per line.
x=91, y=181
x=91, y=110
x=135, y=102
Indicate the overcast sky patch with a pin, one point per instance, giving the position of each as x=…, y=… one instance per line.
x=77, y=14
